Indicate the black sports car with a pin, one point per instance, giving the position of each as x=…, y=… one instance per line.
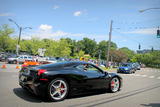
x=67, y=78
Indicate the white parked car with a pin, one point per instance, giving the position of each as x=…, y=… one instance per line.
x=19, y=59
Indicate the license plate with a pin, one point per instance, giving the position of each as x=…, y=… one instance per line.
x=22, y=78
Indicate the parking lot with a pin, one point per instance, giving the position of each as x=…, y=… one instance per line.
x=139, y=90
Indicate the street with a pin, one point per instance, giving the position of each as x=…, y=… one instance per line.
x=139, y=90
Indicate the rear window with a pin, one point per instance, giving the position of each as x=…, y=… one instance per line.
x=56, y=65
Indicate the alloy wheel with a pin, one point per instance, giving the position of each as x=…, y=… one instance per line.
x=115, y=84
x=58, y=89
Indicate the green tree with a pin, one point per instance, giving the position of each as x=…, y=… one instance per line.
x=79, y=54
x=129, y=53
x=72, y=45
x=103, y=46
x=88, y=46
x=6, y=42
x=63, y=49
x=118, y=56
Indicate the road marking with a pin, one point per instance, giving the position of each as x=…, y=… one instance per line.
x=137, y=75
x=158, y=78
x=143, y=75
x=151, y=76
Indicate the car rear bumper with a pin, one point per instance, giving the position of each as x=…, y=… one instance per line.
x=37, y=88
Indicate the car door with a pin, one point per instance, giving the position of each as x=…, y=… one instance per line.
x=94, y=77
x=20, y=59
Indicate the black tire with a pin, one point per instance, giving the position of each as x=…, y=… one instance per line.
x=57, y=90
x=130, y=72
x=111, y=89
x=14, y=62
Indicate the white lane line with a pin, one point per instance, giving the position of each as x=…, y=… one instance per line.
x=151, y=76
x=158, y=78
x=143, y=75
x=137, y=75
x=131, y=74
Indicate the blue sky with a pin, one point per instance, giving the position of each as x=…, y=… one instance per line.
x=76, y=19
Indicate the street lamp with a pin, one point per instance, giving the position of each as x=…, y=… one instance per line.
x=20, y=31
x=109, y=44
x=147, y=9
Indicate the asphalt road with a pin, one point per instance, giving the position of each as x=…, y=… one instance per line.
x=141, y=89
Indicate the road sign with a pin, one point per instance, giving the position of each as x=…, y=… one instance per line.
x=41, y=51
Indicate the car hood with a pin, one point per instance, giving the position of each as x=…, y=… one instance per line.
x=123, y=67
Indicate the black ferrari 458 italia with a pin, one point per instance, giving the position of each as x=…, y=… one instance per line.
x=57, y=81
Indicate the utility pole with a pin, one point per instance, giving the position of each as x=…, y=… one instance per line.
x=109, y=44
x=100, y=56
x=19, y=38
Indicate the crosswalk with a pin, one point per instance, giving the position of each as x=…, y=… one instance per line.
x=142, y=75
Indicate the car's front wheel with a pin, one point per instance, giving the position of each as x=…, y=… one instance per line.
x=58, y=89
x=114, y=85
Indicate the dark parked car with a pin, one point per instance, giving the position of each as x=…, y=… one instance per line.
x=137, y=66
x=59, y=80
x=3, y=57
x=126, y=68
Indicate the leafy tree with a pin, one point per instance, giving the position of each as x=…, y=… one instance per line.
x=72, y=45
x=88, y=46
x=63, y=49
x=6, y=42
x=128, y=52
x=79, y=54
x=103, y=46
x=118, y=56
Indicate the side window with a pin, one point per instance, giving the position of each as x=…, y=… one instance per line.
x=92, y=69
x=29, y=57
x=25, y=57
x=88, y=68
x=80, y=67
x=21, y=57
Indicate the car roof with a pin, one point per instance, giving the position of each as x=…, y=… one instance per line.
x=63, y=64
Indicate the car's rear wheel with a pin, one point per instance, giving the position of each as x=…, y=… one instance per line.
x=114, y=85
x=58, y=89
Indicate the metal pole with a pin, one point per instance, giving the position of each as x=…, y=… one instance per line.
x=19, y=38
x=100, y=56
x=109, y=43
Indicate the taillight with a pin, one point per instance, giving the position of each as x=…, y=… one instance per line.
x=41, y=71
x=24, y=65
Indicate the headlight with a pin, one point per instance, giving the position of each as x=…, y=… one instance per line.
x=126, y=68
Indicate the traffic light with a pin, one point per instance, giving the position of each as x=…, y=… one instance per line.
x=158, y=33
x=139, y=47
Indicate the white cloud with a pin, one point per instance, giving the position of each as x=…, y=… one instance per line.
x=55, y=7
x=77, y=13
x=148, y=31
x=5, y=14
x=46, y=32
x=55, y=35
x=45, y=27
